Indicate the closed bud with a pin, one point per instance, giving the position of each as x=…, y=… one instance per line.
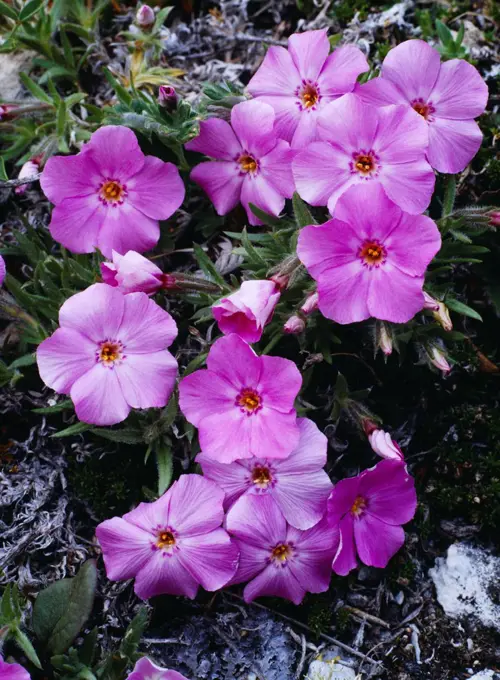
x=294, y=325
x=7, y=111
x=438, y=358
x=145, y=16
x=29, y=169
x=430, y=302
x=384, y=446
x=167, y=97
x=310, y=304
x=281, y=281
x=384, y=338
x=494, y=218
x=442, y=316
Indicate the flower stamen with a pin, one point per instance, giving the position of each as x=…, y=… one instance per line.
x=249, y=401
x=109, y=352
x=372, y=253
x=424, y=109
x=248, y=163
x=365, y=163
x=166, y=539
x=112, y=192
x=282, y=553
x=358, y=507
x=261, y=476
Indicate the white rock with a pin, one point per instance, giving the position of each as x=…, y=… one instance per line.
x=329, y=670
x=485, y=675
x=463, y=581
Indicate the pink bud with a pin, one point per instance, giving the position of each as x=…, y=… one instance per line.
x=29, y=169
x=384, y=446
x=145, y=16
x=295, y=325
x=3, y=270
x=310, y=304
x=442, y=316
x=430, y=302
x=281, y=281
x=168, y=282
x=167, y=97
x=5, y=111
x=494, y=218
x=438, y=359
x=384, y=339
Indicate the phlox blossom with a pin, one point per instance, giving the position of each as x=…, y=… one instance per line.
x=447, y=96
x=369, y=510
x=242, y=404
x=145, y=669
x=252, y=165
x=12, y=671
x=385, y=446
x=110, y=196
x=276, y=558
x=3, y=270
x=173, y=545
x=110, y=354
x=298, y=484
x=362, y=144
x=370, y=259
x=134, y=273
x=247, y=311
x=299, y=82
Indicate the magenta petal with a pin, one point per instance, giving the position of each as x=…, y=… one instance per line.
x=125, y=228
x=233, y=478
x=145, y=326
x=216, y=140
x=221, y=181
x=384, y=304
x=253, y=123
x=273, y=434
x=145, y=669
x=310, y=453
x=126, y=548
x=366, y=212
x=309, y=51
x=245, y=367
x=164, y=574
x=277, y=75
x=453, y=144
x=423, y=234
x=98, y=397
x=275, y=581
x=349, y=125
x=3, y=270
x=195, y=506
x=96, y=312
x=280, y=382
x=302, y=497
x=306, y=131
x=319, y=171
x=257, y=521
x=380, y=92
x=157, y=190
x=261, y=193
x=252, y=561
x=75, y=223
x=276, y=167
x=226, y=436
x=63, y=358
x=342, y=498
x=333, y=243
x=345, y=557
x=212, y=559
x=13, y=671
x=115, y=151
x=69, y=177
x=377, y=542
x=391, y=492
x=192, y=396
x=413, y=67
x=341, y=70
x=460, y=92
x=147, y=380
x=312, y=565
x=409, y=185
x=287, y=114
x=343, y=293
x=402, y=137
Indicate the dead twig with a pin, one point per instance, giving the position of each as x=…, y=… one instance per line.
x=368, y=617
x=19, y=182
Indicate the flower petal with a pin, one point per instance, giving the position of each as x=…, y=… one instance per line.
x=349, y=124
x=287, y=114
x=233, y=478
x=226, y=436
x=98, y=397
x=126, y=548
x=261, y=193
x=75, y=223
x=253, y=123
x=302, y=497
x=393, y=295
x=312, y=565
x=216, y=140
x=377, y=542
x=125, y=228
x=391, y=492
x=310, y=453
x=345, y=557
x=257, y=521
x=277, y=75
x=279, y=384
x=272, y=435
x=341, y=70
x=212, y=559
x=402, y=137
x=69, y=177
x=343, y=293
x=453, y=144
x=252, y=561
x=425, y=239
x=309, y=51
x=409, y=185
x=194, y=401
x=380, y=92
x=165, y=574
x=276, y=168
x=460, y=92
x=147, y=380
x=413, y=67
x=222, y=183
x=157, y=190
x=319, y=171
x=145, y=326
x=195, y=506
x=114, y=149
x=306, y=131
x=342, y=499
x=244, y=369
x=275, y=581
x=96, y=312
x=329, y=245
x=63, y=358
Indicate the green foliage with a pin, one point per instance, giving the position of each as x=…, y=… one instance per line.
x=11, y=615
x=450, y=47
x=114, y=666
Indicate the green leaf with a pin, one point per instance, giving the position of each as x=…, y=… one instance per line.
x=207, y=266
x=26, y=360
x=10, y=611
x=35, y=90
x=61, y=119
x=68, y=49
x=165, y=464
x=195, y=363
x=3, y=171
x=160, y=18
x=29, y=9
x=460, y=35
x=122, y=94
x=253, y=254
x=75, y=98
x=303, y=217
x=61, y=406
x=77, y=428
x=444, y=34
x=7, y=11
x=87, y=651
x=134, y=633
x=264, y=217
x=23, y=643
x=462, y=308
x=126, y=435
x=62, y=609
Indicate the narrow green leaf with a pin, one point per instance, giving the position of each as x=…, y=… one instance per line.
x=68, y=49
x=3, y=172
x=29, y=9
x=122, y=94
x=75, y=98
x=444, y=34
x=126, y=435
x=35, y=90
x=77, y=428
x=87, y=651
x=61, y=406
x=264, y=217
x=160, y=18
x=7, y=11
x=303, y=217
x=61, y=119
x=165, y=464
x=460, y=35
x=23, y=643
x=462, y=308
x=253, y=254
x=26, y=360
x=207, y=266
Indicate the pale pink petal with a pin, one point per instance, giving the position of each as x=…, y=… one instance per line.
x=195, y=505
x=345, y=557
x=309, y=51
x=253, y=124
x=216, y=140
x=114, y=149
x=341, y=70
x=125, y=228
x=13, y=671
x=157, y=190
x=280, y=382
x=331, y=244
x=287, y=114
x=453, y=144
x=302, y=497
x=316, y=548
x=369, y=213
x=390, y=492
x=145, y=326
x=380, y=92
x=306, y=131
x=343, y=293
x=126, y=548
x=376, y=542
x=384, y=303
x=257, y=521
x=349, y=124
x=132, y=272
x=261, y=193
x=63, y=358
x=96, y=312
x=3, y=270
x=148, y=516
x=273, y=434
x=310, y=453
x=193, y=391
x=460, y=92
x=319, y=171
x=277, y=75
x=212, y=559
x=252, y=561
x=75, y=223
x=98, y=397
x=423, y=234
x=233, y=478
x=410, y=185
x=413, y=67
x=147, y=380
x=108, y=273
x=69, y=177
x=402, y=137
x=275, y=581
x=222, y=183
x=244, y=369
x=165, y=574
x=226, y=436
x=276, y=168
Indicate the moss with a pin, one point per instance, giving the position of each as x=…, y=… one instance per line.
x=319, y=617
x=342, y=619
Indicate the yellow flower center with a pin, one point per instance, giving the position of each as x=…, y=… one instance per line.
x=281, y=552
x=309, y=95
x=261, y=476
x=424, y=109
x=110, y=352
x=358, y=506
x=248, y=163
x=113, y=192
x=372, y=253
x=165, y=539
x=249, y=400
x=364, y=164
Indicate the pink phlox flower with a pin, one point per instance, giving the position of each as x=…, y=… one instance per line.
x=294, y=325
x=247, y=311
x=252, y=165
x=298, y=484
x=3, y=270
x=134, y=273
x=362, y=144
x=145, y=669
x=447, y=96
x=29, y=169
x=12, y=671
x=370, y=259
x=276, y=558
x=384, y=445
x=242, y=404
x=299, y=82
x=110, y=196
x=110, y=354
x=369, y=510
x=173, y=545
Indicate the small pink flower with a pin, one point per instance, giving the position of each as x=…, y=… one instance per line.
x=276, y=558
x=447, y=96
x=3, y=270
x=362, y=259
x=242, y=404
x=430, y=302
x=438, y=359
x=12, y=671
x=29, y=169
x=369, y=510
x=294, y=325
x=300, y=82
x=145, y=16
x=145, y=669
x=252, y=166
x=311, y=304
x=247, y=311
x=384, y=446
x=362, y=144
x=494, y=218
x=168, y=97
x=298, y=484
x=110, y=196
x=110, y=354
x=173, y=545
x=133, y=273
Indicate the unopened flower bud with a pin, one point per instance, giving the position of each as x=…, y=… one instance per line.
x=29, y=169
x=494, y=218
x=295, y=325
x=281, y=281
x=384, y=446
x=442, y=316
x=438, y=358
x=430, y=302
x=167, y=97
x=3, y=270
x=310, y=304
x=7, y=111
x=145, y=16
x=384, y=338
